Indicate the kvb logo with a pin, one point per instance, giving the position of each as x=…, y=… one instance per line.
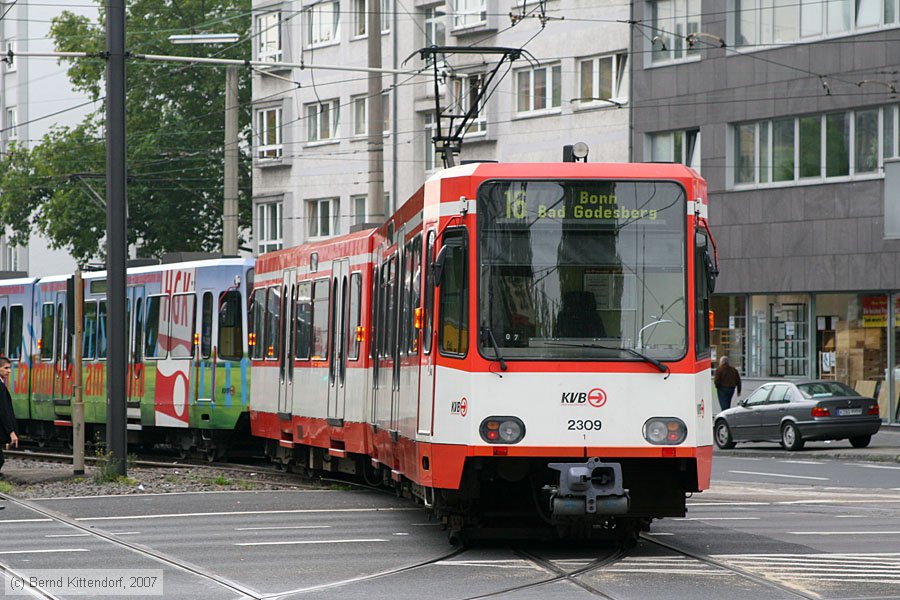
x=595, y=397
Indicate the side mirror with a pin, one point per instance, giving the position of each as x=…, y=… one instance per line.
x=438, y=265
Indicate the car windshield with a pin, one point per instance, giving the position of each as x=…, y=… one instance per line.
x=582, y=269
x=825, y=389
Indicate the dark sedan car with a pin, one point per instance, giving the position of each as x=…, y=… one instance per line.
x=795, y=413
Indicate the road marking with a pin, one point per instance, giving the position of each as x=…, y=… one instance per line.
x=850, y=516
x=26, y=521
x=659, y=533
x=493, y=564
x=291, y=543
x=44, y=551
x=68, y=535
x=874, y=466
x=716, y=519
x=146, y=494
x=844, y=532
x=780, y=475
x=701, y=504
x=802, y=462
x=271, y=528
x=249, y=512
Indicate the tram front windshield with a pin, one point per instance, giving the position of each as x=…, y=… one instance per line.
x=582, y=269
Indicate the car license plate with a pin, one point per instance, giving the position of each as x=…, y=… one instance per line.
x=844, y=412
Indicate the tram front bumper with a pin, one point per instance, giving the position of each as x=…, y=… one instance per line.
x=586, y=489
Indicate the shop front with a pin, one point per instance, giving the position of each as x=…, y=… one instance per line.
x=852, y=338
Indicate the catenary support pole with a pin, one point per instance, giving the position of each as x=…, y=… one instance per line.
x=116, y=236
x=375, y=211
x=230, y=208
x=78, y=401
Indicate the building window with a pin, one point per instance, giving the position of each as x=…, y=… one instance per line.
x=322, y=120
x=465, y=89
x=359, y=209
x=468, y=13
x=430, y=128
x=322, y=22
x=814, y=148
x=602, y=78
x=538, y=89
x=323, y=217
x=762, y=22
x=361, y=17
x=269, y=227
x=268, y=37
x=268, y=133
x=673, y=21
x=435, y=28
x=676, y=146
x=361, y=114
x=11, y=133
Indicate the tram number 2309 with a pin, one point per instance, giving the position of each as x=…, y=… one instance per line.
x=585, y=425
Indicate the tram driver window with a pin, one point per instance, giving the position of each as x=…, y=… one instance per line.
x=454, y=314
x=231, y=330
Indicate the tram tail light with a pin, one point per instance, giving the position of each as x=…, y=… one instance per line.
x=196, y=339
x=419, y=320
x=251, y=339
x=820, y=411
x=665, y=431
x=712, y=320
x=360, y=333
x=502, y=430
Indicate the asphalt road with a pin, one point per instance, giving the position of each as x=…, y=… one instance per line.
x=777, y=527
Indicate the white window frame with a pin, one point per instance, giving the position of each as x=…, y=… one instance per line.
x=554, y=73
x=314, y=221
x=268, y=147
x=464, y=90
x=319, y=116
x=435, y=19
x=431, y=157
x=361, y=18
x=668, y=43
x=469, y=13
x=618, y=64
x=323, y=24
x=360, y=106
x=358, y=217
x=268, y=37
x=11, y=123
x=269, y=238
x=670, y=139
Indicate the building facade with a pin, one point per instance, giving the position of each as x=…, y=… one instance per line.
x=790, y=110
x=310, y=148
x=35, y=95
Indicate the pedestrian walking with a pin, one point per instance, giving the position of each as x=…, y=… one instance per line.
x=727, y=380
x=8, y=425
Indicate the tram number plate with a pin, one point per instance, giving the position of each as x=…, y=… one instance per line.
x=585, y=424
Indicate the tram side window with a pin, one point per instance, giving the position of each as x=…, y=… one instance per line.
x=60, y=325
x=701, y=297
x=16, y=322
x=429, y=294
x=303, y=325
x=257, y=318
x=206, y=325
x=182, y=325
x=453, y=332
x=101, y=330
x=374, y=303
x=154, y=343
x=405, y=283
x=320, y=320
x=390, y=277
x=353, y=315
x=415, y=292
x=89, y=336
x=231, y=329
x=48, y=318
x=3, y=330
x=138, y=330
x=273, y=323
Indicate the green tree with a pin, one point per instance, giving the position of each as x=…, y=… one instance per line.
x=175, y=138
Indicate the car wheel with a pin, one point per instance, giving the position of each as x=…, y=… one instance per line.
x=790, y=437
x=723, y=436
x=860, y=441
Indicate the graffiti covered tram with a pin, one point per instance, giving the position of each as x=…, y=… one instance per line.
x=518, y=343
x=188, y=382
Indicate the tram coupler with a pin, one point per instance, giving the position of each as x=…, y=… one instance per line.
x=588, y=488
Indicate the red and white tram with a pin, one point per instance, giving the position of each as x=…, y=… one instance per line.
x=517, y=339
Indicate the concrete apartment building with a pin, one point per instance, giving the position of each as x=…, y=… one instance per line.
x=310, y=166
x=34, y=96
x=790, y=110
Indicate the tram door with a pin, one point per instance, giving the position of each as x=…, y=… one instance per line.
x=286, y=357
x=386, y=328
x=337, y=351
x=61, y=356
x=135, y=385
x=426, y=364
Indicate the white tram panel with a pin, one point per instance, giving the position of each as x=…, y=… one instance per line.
x=547, y=402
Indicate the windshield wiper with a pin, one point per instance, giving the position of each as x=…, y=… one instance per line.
x=663, y=367
x=490, y=336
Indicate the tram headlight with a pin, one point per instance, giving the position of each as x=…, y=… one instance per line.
x=665, y=431
x=502, y=430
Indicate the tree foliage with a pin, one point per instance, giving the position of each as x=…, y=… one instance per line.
x=175, y=138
